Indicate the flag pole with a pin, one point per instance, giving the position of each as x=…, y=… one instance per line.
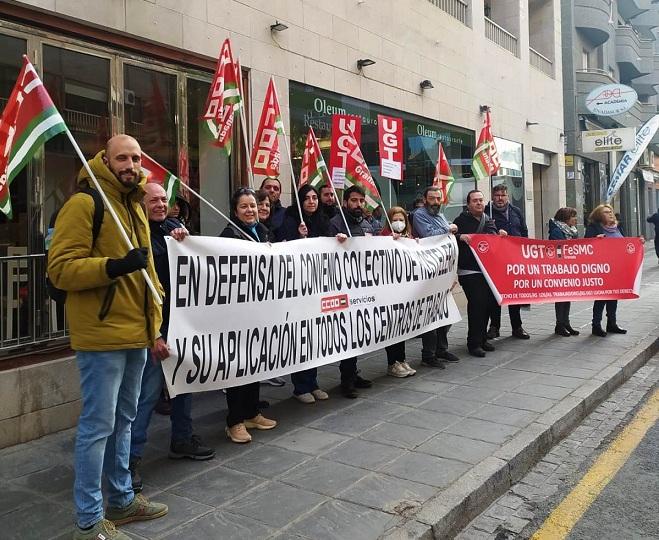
x=106, y=201
x=336, y=196
x=243, y=123
x=386, y=213
x=212, y=206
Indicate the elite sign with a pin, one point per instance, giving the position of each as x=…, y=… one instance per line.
x=611, y=99
x=608, y=140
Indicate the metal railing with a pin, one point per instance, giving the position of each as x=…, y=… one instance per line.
x=501, y=36
x=27, y=315
x=455, y=8
x=541, y=62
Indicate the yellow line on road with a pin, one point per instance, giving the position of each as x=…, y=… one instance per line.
x=566, y=515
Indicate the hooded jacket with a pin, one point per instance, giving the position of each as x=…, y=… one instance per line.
x=104, y=314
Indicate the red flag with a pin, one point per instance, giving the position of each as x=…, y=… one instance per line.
x=390, y=135
x=344, y=126
x=314, y=171
x=156, y=173
x=357, y=173
x=265, y=153
x=443, y=175
x=486, y=158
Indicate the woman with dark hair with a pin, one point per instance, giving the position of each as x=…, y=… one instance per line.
x=305, y=383
x=400, y=228
x=604, y=224
x=243, y=401
x=263, y=204
x=564, y=227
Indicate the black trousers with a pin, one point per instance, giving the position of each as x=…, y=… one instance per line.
x=513, y=313
x=434, y=342
x=480, y=303
x=395, y=353
x=348, y=369
x=243, y=403
x=598, y=311
x=562, y=312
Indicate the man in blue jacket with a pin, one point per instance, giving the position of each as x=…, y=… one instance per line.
x=510, y=219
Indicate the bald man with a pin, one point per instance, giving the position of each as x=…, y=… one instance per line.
x=184, y=444
x=113, y=322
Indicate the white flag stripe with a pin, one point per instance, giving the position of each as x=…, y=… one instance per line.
x=26, y=147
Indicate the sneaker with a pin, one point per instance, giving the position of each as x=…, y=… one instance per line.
x=447, y=356
x=433, y=362
x=140, y=509
x=192, y=449
x=410, y=370
x=260, y=422
x=135, y=476
x=319, y=394
x=238, y=434
x=493, y=332
x=360, y=382
x=275, y=381
x=305, y=398
x=103, y=530
x=397, y=370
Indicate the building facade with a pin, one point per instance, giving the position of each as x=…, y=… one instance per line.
x=143, y=67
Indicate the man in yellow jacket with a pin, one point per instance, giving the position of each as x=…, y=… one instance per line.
x=113, y=319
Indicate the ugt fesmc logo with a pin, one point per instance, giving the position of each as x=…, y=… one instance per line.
x=334, y=303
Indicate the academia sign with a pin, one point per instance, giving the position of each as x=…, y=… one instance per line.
x=611, y=99
x=608, y=140
x=244, y=311
x=527, y=271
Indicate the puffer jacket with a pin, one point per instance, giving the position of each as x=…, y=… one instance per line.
x=104, y=314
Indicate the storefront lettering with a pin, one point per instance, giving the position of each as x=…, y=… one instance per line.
x=321, y=106
x=425, y=132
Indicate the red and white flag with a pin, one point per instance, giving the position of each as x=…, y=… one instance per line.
x=486, y=158
x=265, y=153
x=443, y=175
x=390, y=136
x=344, y=127
x=358, y=174
x=156, y=173
x=314, y=171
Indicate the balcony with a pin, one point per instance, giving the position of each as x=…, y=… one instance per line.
x=645, y=85
x=501, y=37
x=588, y=80
x=628, y=53
x=591, y=17
x=541, y=62
x=646, y=22
x=630, y=8
x=455, y=8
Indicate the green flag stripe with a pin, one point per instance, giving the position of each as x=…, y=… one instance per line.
x=20, y=138
x=171, y=187
x=5, y=207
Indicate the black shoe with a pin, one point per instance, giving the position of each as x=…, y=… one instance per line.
x=598, y=330
x=477, y=352
x=348, y=390
x=493, y=332
x=572, y=331
x=135, y=477
x=192, y=449
x=613, y=328
x=447, y=356
x=520, y=333
x=561, y=330
x=433, y=362
x=487, y=346
x=360, y=382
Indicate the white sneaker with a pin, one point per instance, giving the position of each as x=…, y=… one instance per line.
x=410, y=370
x=320, y=394
x=305, y=398
x=397, y=370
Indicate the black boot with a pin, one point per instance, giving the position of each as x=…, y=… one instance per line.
x=561, y=330
x=135, y=477
x=598, y=330
x=613, y=328
x=572, y=331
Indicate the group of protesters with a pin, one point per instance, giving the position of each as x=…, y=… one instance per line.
x=119, y=331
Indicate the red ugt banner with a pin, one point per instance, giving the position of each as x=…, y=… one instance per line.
x=390, y=136
x=528, y=271
x=344, y=126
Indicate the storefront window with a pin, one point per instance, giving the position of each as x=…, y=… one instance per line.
x=511, y=172
x=310, y=106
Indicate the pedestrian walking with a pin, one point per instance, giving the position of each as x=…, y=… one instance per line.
x=654, y=219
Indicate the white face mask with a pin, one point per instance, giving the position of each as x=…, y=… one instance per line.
x=398, y=226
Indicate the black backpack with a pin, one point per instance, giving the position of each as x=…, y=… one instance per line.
x=59, y=295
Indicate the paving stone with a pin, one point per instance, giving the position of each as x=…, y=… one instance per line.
x=20, y=524
x=387, y=493
x=276, y=504
x=557, y=380
x=456, y=447
x=433, y=420
x=267, y=461
x=346, y=423
x=426, y=469
x=12, y=497
x=398, y=435
x=427, y=385
x=364, y=454
x=543, y=390
x=221, y=524
x=404, y=396
x=483, y=430
x=324, y=477
x=163, y=472
x=57, y=479
x=451, y=405
x=505, y=415
x=472, y=393
x=28, y=460
x=309, y=441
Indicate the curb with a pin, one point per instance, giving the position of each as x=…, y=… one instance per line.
x=444, y=515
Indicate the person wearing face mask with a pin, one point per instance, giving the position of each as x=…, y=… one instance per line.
x=354, y=201
x=243, y=401
x=400, y=228
x=429, y=221
x=315, y=224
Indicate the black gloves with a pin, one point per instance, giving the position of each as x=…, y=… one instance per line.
x=135, y=259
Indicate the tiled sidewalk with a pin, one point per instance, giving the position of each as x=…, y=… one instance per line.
x=343, y=468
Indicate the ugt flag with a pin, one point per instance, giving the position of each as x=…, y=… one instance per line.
x=443, y=176
x=265, y=153
x=486, y=158
x=28, y=121
x=357, y=173
x=314, y=171
x=156, y=173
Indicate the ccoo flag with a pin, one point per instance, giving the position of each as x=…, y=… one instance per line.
x=486, y=158
x=265, y=153
x=156, y=173
x=443, y=176
x=30, y=119
x=357, y=173
x=314, y=171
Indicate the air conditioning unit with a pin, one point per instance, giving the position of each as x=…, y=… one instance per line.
x=129, y=97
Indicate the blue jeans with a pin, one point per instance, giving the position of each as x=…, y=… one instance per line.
x=152, y=383
x=110, y=386
x=305, y=381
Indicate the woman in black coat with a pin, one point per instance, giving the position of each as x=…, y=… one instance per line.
x=563, y=227
x=243, y=401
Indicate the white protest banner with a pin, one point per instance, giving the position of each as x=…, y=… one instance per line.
x=243, y=312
